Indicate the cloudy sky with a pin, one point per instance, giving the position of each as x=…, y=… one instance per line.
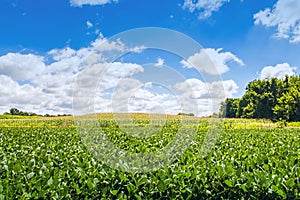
x=56, y=54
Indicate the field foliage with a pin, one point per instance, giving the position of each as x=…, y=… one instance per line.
x=252, y=159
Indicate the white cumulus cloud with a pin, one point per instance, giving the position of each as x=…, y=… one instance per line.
x=160, y=62
x=207, y=96
x=24, y=97
x=21, y=67
x=80, y=3
x=278, y=71
x=89, y=24
x=211, y=61
x=44, y=84
x=205, y=8
x=285, y=16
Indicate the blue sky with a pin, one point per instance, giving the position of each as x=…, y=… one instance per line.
x=42, y=42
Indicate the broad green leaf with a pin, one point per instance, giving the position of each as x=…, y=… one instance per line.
x=114, y=192
x=228, y=183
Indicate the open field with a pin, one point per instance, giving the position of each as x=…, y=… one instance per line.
x=252, y=159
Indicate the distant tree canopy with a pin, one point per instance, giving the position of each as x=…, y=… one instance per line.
x=186, y=114
x=275, y=99
x=15, y=111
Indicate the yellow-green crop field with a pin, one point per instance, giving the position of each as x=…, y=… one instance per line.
x=251, y=159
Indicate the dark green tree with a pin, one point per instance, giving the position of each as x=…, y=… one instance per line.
x=230, y=108
x=269, y=98
x=14, y=111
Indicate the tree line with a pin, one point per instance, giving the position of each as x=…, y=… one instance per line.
x=275, y=99
x=15, y=111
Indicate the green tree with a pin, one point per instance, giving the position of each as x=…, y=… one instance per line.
x=269, y=98
x=14, y=111
x=288, y=107
x=229, y=108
